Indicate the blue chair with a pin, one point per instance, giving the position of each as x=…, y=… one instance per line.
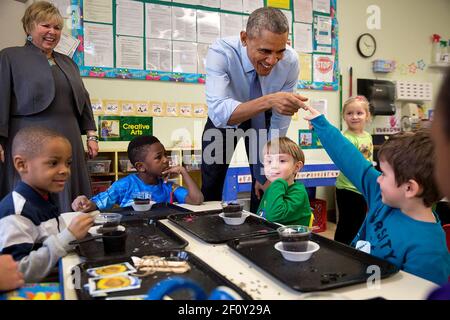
x=168, y=286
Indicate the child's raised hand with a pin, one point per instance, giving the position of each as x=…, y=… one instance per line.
x=313, y=113
x=172, y=172
x=80, y=225
x=83, y=204
x=261, y=188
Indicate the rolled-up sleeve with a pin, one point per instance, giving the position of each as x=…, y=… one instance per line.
x=292, y=79
x=279, y=121
x=220, y=104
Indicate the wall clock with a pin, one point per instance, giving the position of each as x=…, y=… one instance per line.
x=366, y=45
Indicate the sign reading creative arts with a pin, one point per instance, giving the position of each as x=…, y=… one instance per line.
x=116, y=128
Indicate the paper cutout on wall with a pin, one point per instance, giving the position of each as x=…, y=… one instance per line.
x=97, y=106
x=412, y=68
x=142, y=108
x=171, y=109
x=421, y=64
x=148, y=108
x=157, y=109
x=200, y=110
x=403, y=69
x=111, y=107
x=126, y=108
x=185, y=109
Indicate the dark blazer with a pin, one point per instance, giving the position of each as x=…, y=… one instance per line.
x=27, y=85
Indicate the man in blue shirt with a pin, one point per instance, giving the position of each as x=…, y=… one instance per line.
x=250, y=83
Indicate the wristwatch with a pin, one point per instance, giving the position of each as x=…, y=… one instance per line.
x=92, y=138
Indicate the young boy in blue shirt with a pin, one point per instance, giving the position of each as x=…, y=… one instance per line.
x=400, y=225
x=147, y=155
x=30, y=226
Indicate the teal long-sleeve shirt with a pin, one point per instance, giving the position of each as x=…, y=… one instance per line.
x=285, y=204
x=414, y=246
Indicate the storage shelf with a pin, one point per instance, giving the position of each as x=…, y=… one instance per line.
x=109, y=174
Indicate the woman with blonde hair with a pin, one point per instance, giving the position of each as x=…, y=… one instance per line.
x=42, y=87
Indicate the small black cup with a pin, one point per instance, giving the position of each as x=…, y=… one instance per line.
x=298, y=243
x=114, y=241
x=232, y=210
x=140, y=201
x=294, y=237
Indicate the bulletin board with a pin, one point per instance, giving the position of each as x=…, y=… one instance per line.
x=147, y=47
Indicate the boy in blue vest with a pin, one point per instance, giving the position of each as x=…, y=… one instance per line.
x=400, y=226
x=31, y=229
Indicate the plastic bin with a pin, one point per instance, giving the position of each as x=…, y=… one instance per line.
x=174, y=160
x=100, y=186
x=192, y=161
x=126, y=166
x=319, y=208
x=98, y=166
x=384, y=66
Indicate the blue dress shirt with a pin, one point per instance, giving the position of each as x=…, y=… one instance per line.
x=228, y=78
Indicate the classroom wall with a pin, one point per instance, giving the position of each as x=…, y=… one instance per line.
x=406, y=27
x=404, y=36
x=12, y=33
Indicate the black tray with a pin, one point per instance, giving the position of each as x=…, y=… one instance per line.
x=158, y=211
x=143, y=237
x=205, y=276
x=211, y=228
x=334, y=265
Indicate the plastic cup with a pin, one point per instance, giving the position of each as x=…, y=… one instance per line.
x=232, y=209
x=114, y=241
x=294, y=238
x=109, y=221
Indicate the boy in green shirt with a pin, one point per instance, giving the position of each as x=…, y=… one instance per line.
x=284, y=201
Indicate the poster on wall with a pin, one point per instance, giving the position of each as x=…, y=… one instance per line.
x=117, y=128
x=280, y=4
x=307, y=139
x=168, y=40
x=323, y=68
x=387, y=125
